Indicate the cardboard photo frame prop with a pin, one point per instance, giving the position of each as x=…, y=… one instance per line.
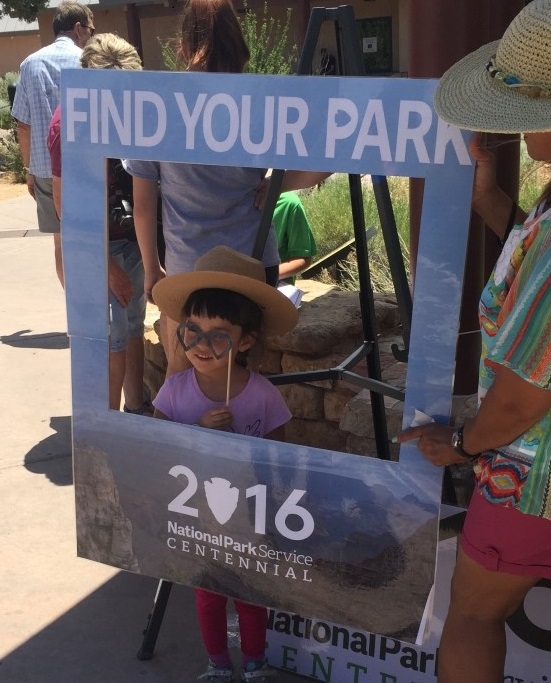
x=317, y=532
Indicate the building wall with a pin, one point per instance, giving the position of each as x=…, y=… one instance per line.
x=111, y=21
x=157, y=30
x=14, y=49
x=105, y=20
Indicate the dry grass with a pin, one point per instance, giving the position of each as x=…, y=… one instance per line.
x=10, y=188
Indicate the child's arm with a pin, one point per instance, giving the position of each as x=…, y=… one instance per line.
x=293, y=267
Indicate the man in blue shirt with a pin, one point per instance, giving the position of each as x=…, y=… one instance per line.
x=36, y=97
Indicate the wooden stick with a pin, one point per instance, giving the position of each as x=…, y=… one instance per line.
x=229, y=379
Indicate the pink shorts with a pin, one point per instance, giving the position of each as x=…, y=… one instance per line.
x=502, y=539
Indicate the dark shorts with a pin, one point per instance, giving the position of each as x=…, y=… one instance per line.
x=502, y=539
x=45, y=209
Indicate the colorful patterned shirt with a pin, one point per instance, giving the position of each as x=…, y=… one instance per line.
x=515, y=321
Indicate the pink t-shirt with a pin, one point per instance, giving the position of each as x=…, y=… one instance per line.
x=257, y=410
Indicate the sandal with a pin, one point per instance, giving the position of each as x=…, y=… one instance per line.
x=218, y=674
x=146, y=409
x=259, y=675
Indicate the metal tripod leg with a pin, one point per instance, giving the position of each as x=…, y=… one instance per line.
x=154, y=620
x=350, y=60
x=367, y=308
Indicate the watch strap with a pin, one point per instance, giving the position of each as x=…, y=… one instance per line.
x=457, y=444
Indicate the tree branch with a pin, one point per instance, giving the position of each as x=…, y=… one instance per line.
x=27, y=10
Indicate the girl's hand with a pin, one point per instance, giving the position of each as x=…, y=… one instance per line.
x=218, y=418
x=435, y=443
x=150, y=280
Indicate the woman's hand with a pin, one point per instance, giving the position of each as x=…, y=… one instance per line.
x=119, y=283
x=489, y=201
x=435, y=443
x=218, y=418
x=485, y=179
x=145, y=193
x=150, y=280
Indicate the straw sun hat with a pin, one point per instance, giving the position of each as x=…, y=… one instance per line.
x=225, y=268
x=504, y=86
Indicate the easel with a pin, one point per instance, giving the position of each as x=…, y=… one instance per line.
x=350, y=62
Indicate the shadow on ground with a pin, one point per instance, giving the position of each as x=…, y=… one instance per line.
x=48, y=340
x=52, y=456
x=98, y=640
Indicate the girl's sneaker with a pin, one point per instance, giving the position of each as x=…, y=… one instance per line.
x=257, y=673
x=218, y=674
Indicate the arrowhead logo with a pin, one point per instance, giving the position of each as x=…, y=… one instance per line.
x=222, y=498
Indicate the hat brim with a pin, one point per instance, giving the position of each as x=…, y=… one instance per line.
x=468, y=97
x=279, y=314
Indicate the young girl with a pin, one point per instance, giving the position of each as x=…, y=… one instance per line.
x=220, y=309
x=505, y=547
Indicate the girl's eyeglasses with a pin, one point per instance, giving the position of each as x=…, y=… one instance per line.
x=190, y=335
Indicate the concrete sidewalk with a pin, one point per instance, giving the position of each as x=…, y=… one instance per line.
x=63, y=619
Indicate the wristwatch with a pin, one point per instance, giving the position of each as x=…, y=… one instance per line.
x=457, y=445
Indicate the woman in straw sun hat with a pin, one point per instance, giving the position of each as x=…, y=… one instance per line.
x=220, y=309
x=505, y=548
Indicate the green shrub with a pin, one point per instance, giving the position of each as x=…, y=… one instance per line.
x=9, y=78
x=10, y=156
x=534, y=175
x=5, y=113
x=330, y=215
x=169, y=51
x=268, y=41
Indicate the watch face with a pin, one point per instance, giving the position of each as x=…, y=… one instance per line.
x=457, y=441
